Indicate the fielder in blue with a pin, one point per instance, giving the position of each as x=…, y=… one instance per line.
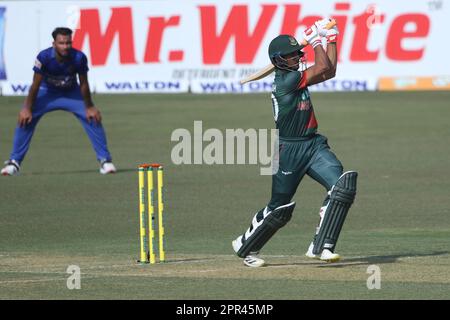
x=55, y=87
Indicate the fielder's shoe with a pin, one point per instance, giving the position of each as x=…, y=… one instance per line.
x=326, y=255
x=251, y=260
x=107, y=167
x=11, y=168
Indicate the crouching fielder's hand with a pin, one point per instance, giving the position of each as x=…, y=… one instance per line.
x=92, y=113
x=25, y=117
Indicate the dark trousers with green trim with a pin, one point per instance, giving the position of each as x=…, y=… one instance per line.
x=298, y=157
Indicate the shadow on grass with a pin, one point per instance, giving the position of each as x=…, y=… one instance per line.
x=358, y=260
x=381, y=259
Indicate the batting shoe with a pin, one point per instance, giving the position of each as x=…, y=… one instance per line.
x=310, y=253
x=326, y=254
x=11, y=168
x=329, y=256
x=107, y=167
x=251, y=260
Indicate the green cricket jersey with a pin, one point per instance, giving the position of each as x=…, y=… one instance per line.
x=292, y=107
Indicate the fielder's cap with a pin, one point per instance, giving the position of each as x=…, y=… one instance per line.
x=283, y=45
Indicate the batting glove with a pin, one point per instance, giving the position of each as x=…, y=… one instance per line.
x=311, y=35
x=330, y=34
x=321, y=26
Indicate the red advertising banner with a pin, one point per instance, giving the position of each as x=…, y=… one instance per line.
x=208, y=46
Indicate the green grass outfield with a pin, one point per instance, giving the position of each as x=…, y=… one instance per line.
x=62, y=212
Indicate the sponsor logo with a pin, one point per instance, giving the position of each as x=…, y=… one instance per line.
x=292, y=41
x=37, y=64
x=304, y=105
x=443, y=81
x=346, y=85
x=141, y=86
x=235, y=31
x=15, y=88
x=231, y=87
x=414, y=83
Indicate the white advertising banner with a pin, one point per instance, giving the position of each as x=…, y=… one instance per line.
x=208, y=46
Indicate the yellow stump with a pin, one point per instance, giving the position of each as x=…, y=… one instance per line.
x=148, y=246
x=151, y=216
x=143, y=233
x=160, y=215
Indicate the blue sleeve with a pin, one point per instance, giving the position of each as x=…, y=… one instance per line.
x=83, y=64
x=39, y=63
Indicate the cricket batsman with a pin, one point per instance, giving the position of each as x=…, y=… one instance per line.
x=55, y=87
x=301, y=150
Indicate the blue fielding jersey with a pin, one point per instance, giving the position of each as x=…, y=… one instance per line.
x=60, y=75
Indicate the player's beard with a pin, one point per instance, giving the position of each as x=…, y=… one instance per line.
x=294, y=67
x=63, y=50
x=64, y=53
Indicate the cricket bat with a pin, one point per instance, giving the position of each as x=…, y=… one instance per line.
x=264, y=72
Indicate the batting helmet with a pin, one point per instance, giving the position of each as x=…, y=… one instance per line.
x=281, y=46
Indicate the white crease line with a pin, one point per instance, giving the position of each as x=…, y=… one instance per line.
x=29, y=271
x=39, y=280
x=155, y=274
x=158, y=266
x=92, y=276
x=182, y=261
x=30, y=281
